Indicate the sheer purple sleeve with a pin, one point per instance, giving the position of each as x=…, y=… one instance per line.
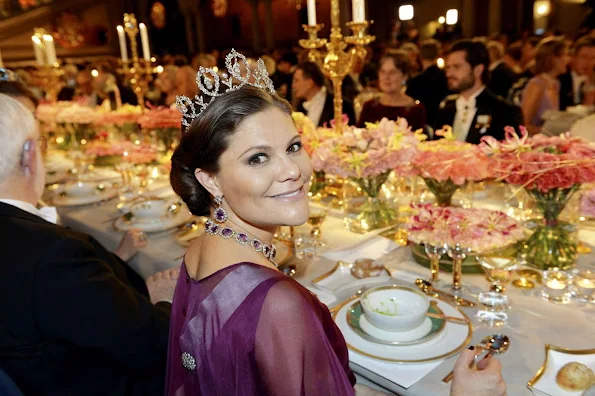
x=299, y=350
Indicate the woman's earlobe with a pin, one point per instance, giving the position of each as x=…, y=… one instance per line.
x=208, y=181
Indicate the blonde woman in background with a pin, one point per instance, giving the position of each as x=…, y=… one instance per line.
x=542, y=93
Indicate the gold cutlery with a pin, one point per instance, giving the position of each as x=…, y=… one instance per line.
x=353, y=297
x=431, y=291
x=445, y=317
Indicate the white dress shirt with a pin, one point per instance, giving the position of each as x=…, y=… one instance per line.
x=315, y=106
x=48, y=213
x=577, y=83
x=466, y=109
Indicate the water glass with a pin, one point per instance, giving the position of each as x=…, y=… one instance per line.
x=493, y=308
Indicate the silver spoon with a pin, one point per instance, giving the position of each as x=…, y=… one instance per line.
x=494, y=345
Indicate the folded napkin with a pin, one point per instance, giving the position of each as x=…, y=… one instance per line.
x=403, y=375
x=373, y=248
x=324, y=297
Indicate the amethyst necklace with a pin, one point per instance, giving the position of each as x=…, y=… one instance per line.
x=220, y=216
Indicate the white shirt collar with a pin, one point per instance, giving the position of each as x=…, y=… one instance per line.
x=577, y=77
x=461, y=101
x=48, y=213
x=316, y=98
x=315, y=106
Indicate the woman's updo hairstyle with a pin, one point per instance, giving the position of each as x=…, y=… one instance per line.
x=208, y=137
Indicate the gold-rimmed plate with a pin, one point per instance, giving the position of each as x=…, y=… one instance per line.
x=430, y=328
x=127, y=223
x=544, y=381
x=449, y=342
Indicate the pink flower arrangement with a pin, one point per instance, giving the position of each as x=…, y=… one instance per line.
x=542, y=163
x=367, y=152
x=448, y=158
x=77, y=114
x=481, y=230
x=127, y=114
x=588, y=204
x=160, y=118
x=130, y=152
x=47, y=112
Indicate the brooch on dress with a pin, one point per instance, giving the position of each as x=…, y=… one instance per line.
x=188, y=361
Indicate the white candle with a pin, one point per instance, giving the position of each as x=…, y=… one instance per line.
x=122, y=39
x=312, y=12
x=50, y=49
x=556, y=284
x=1, y=63
x=586, y=283
x=38, y=50
x=359, y=10
x=144, y=38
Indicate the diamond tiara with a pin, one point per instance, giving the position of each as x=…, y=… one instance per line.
x=208, y=82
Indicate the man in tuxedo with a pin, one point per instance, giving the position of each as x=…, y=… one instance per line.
x=76, y=319
x=502, y=77
x=429, y=86
x=581, y=67
x=314, y=99
x=475, y=111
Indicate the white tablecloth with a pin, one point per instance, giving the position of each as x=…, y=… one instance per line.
x=532, y=322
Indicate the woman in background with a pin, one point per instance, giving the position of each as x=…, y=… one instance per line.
x=395, y=67
x=542, y=92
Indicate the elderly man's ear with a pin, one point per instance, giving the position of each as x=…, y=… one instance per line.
x=28, y=156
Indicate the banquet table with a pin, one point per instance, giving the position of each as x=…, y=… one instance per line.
x=532, y=322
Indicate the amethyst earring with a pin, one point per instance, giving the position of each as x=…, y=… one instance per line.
x=220, y=214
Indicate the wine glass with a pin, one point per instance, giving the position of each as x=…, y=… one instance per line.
x=498, y=270
x=457, y=253
x=315, y=219
x=435, y=252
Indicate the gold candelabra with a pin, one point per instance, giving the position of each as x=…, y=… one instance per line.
x=138, y=71
x=49, y=73
x=337, y=60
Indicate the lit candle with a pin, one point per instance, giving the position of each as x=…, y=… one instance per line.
x=144, y=39
x=585, y=283
x=359, y=10
x=122, y=39
x=50, y=49
x=38, y=50
x=556, y=284
x=155, y=173
x=312, y=12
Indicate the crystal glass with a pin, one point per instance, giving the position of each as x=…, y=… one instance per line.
x=435, y=253
x=556, y=286
x=457, y=253
x=492, y=308
x=584, y=284
x=498, y=269
x=315, y=219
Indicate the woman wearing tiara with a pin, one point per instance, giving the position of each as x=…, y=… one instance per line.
x=239, y=326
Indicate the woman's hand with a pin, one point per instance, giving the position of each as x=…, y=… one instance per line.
x=162, y=285
x=485, y=381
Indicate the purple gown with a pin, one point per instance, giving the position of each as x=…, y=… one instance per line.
x=250, y=330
